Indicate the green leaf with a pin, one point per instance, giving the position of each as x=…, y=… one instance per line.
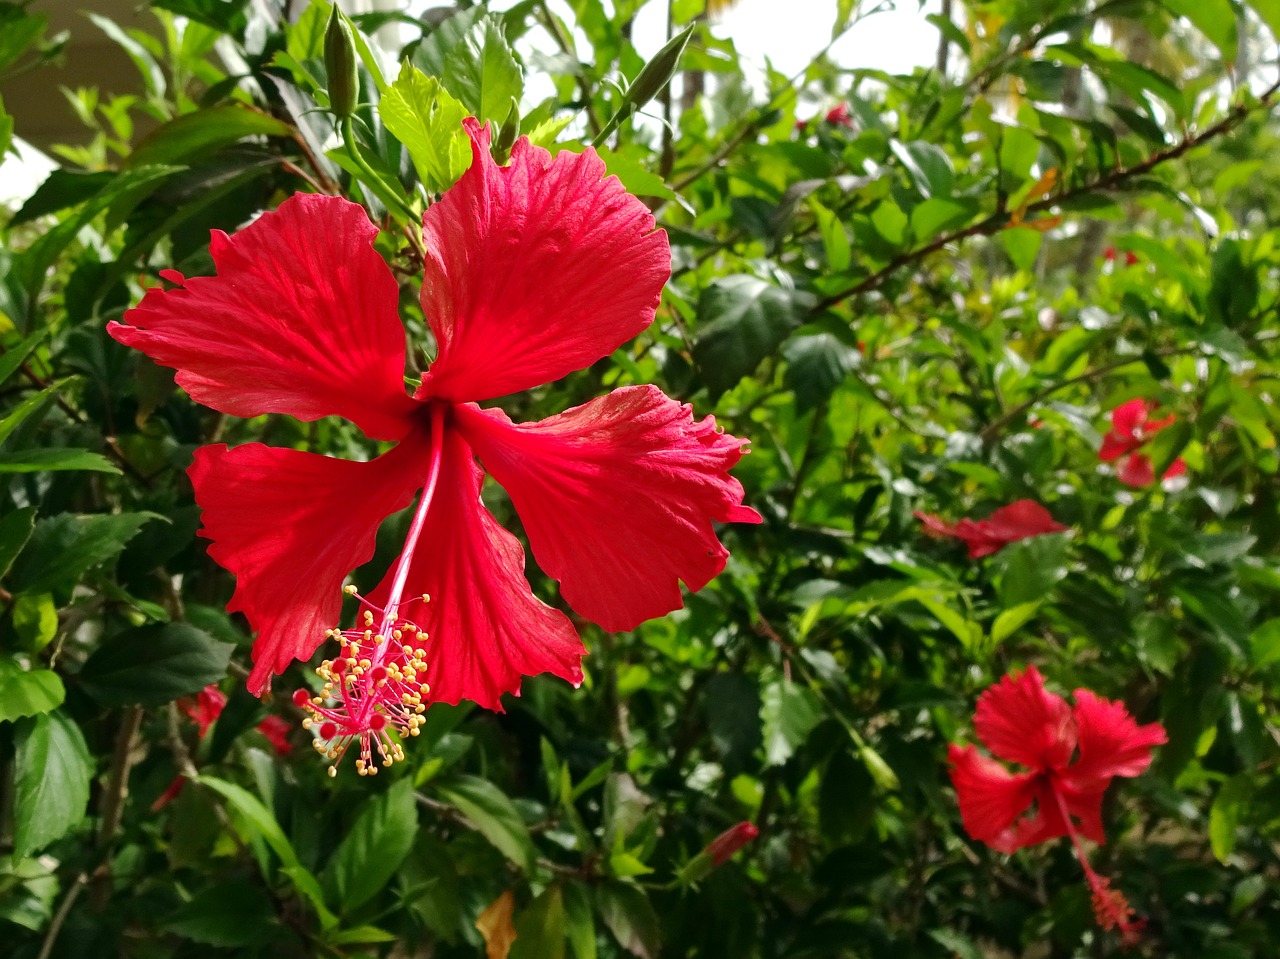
x=15, y=530
x=18, y=31
x=1264, y=643
x=257, y=816
x=150, y=70
x=32, y=265
x=1224, y=815
x=580, y=924
x=373, y=849
x=6, y=131
x=1269, y=11
x=64, y=547
x=226, y=914
x=632, y=173
x=1022, y=243
x=61, y=190
x=494, y=816
x=53, y=459
x=431, y=54
x=788, y=714
x=629, y=915
x=422, y=115
x=1216, y=19
x=817, y=363
x=482, y=72
x=742, y=320
x=28, y=692
x=226, y=16
x=198, y=134
x=540, y=928
x=35, y=619
x=154, y=664
x=52, y=771
x=1011, y=620
x=935, y=215
x=15, y=355
x=928, y=165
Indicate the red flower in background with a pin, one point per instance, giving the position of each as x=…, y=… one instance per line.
x=840, y=115
x=1131, y=429
x=204, y=707
x=1070, y=757
x=1008, y=524
x=533, y=270
x=1110, y=254
x=276, y=730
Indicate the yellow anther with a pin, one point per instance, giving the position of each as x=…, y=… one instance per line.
x=333, y=771
x=350, y=589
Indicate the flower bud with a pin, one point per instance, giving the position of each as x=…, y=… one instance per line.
x=340, y=65
x=722, y=848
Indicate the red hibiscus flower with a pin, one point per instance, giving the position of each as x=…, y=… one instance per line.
x=1131, y=429
x=204, y=707
x=533, y=270
x=276, y=729
x=1008, y=524
x=1071, y=756
x=840, y=115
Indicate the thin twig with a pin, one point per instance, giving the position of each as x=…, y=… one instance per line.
x=997, y=221
x=118, y=776
x=55, y=926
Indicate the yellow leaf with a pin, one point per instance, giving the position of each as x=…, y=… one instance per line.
x=496, y=926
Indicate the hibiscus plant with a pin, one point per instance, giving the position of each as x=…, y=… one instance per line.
x=533, y=480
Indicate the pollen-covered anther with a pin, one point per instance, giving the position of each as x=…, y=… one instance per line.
x=372, y=694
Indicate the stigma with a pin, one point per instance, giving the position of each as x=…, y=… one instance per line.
x=374, y=691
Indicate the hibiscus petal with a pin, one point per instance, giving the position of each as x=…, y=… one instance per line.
x=1128, y=418
x=1136, y=470
x=991, y=798
x=1021, y=520
x=1116, y=445
x=534, y=270
x=1111, y=742
x=1022, y=722
x=485, y=629
x=618, y=497
x=301, y=319
x=935, y=526
x=291, y=526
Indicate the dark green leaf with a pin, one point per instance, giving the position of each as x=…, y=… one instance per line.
x=60, y=190
x=64, y=547
x=373, y=849
x=154, y=664
x=52, y=459
x=226, y=914
x=15, y=530
x=742, y=320
x=494, y=816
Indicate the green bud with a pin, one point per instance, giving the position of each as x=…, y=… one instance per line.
x=655, y=75
x=509, y=130
x=340, y=65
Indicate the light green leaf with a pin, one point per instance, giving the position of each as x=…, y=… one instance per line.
x=52, y=459
x=482, y=72
x=52, y=771
x=788, y=713
x=423, y=116
x=28, y=692
x=198, y=134
x=1010, y=620
x=540, y=928
x=35, y=619
x=1224, y=815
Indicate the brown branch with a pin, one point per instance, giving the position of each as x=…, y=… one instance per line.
x=118, y=776
x=997, y=221
x=55, y=926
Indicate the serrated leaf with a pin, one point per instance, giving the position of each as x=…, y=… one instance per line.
x=788, y=714
x=742, y=320
x=154, y=664
x=482, y=72
x=494, y=816
x=28, y=692
x=373, y=849
x=62, y=548
x=52, y=771
x=422, y=115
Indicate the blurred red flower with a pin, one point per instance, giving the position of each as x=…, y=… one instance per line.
x=1071, y=756
x=1008, y=524
x=1131, y=429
